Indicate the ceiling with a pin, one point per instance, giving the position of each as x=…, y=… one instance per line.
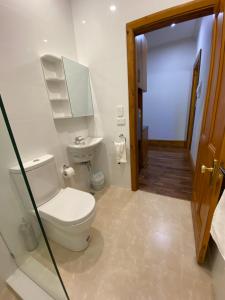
x=188, y=29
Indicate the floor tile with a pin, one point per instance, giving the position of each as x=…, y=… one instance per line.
x=142, y=247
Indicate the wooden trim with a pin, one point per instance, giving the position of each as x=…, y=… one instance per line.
x=140, y=108
x=177, y=14
x=133, y=110
x=195, y=82
x=188, y=11
x=166, y=144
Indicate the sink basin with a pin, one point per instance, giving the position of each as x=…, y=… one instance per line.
x=85, y=150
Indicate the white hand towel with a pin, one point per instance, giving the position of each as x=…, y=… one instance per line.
x=121, y=155
x=218, y=225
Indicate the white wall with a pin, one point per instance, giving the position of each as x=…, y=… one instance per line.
x=24, y=25
x=101, y=44
x=166, y=103
x=204, y=43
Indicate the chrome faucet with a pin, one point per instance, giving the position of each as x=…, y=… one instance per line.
x=78, y=140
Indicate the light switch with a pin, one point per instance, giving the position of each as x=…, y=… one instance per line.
x=121, y=121
x=119, y=111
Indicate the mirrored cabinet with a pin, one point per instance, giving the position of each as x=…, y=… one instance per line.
x=68, y=87
x=79, y=88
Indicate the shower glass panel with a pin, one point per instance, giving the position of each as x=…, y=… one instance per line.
x=21, y=229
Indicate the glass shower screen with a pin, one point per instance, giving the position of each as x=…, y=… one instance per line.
x=24, y=235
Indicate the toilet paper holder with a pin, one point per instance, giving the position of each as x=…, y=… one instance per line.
x=65, y=167
x=65, y=173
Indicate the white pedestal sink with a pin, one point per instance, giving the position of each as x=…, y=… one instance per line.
x=85, y=150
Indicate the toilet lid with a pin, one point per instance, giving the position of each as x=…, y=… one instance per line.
x=68, y=207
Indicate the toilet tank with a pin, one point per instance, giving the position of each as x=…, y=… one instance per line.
x=43, y=179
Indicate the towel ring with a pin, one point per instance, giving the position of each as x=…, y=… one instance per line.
x=121, y=136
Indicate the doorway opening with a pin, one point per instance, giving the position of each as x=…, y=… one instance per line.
x=172, y=83
x=208, y=154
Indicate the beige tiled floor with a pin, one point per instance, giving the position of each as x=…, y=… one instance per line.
x=7, y=294
x=142, y=248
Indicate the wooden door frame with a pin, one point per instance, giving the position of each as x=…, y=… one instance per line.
x=191, y=118
x=177, y=14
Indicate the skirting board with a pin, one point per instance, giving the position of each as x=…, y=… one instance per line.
x=164, y=143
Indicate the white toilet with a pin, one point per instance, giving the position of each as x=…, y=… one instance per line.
x=67, y=214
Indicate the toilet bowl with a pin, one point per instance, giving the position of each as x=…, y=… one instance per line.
x=67, y=214
x=67, y=218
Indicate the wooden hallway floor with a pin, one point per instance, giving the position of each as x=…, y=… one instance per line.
x=167, y=172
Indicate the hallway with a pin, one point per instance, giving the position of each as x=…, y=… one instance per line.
x=167, y=172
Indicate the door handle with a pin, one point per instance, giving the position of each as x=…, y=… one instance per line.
x=204, y=169
x=211, y=170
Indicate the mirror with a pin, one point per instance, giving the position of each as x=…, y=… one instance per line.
x=79, y=88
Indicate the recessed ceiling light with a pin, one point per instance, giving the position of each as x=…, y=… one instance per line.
x=112, y=7
x=83, y=21
x=45, y=41
x=173, y=25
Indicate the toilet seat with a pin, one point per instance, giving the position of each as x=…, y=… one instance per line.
x=68, y=207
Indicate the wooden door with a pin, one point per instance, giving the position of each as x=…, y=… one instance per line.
x=207, y=182
x=195, y=82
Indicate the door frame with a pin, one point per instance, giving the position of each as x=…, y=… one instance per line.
x=195, y=82
x=177, y=14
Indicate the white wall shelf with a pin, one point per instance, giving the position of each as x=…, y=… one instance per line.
x=50, y=58
x=56, y=86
